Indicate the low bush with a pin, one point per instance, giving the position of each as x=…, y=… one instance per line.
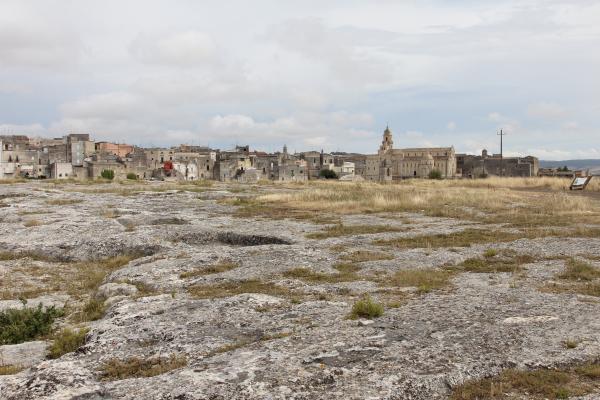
x=108, y=174
x=328, y=174
x=131, y=176
x=21, y=325
x=67, y=341
x=435, y=174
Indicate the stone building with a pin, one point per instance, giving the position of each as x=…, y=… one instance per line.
x=117, y=149
x=391, y=164
x=474, y=166
x=317, y=161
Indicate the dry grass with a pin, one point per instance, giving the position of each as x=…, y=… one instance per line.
x=63, y=202
x=32, y=222
x=536, y=384
x=250, y=208
x=346, y=273
x=231, y=288
x=137, y=367
x=10, y=369
x=110, y=213
x=351, y=230
x=578, y=277
x=222, y=266
x=469, y=236
x=364, y=255
x=494, y=264
x=66, y=341
x=243, y=342
x=464, y=238
x=425, y=280
x=577, y=270
x=493, y=200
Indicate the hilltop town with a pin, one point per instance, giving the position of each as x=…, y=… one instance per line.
x=78, y=156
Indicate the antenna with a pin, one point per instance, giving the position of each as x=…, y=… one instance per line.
x=501, y=134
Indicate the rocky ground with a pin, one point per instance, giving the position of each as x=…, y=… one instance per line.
x=293, y=338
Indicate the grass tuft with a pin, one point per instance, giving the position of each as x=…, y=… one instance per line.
x=425, y=280
x=366, y=307
x=137, y=367
x=67, y=341
x=222, y=266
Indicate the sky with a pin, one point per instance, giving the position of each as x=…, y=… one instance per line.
x=328, y=74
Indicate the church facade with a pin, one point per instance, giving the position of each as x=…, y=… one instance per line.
x=391, y=164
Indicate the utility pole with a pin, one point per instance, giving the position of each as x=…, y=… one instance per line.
x=501, y=134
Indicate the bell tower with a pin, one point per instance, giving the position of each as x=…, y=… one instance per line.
x=387, y=143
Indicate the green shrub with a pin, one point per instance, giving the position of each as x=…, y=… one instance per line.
x=435, y=174
x=108, y=174
x=366, y=308
x=328, y=174
x=67, y=341
x=132, y=176
x=21, y=325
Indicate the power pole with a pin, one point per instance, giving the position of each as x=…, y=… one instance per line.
x=501, y=134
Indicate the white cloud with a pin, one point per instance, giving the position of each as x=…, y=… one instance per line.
x=179, y=49
x=546, y=110
x=307, y=73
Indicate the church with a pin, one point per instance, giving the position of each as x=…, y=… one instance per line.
x=391, y=164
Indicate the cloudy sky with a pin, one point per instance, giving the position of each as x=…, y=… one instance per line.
x=313, y=74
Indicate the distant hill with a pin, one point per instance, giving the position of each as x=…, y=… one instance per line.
x=592, y=164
